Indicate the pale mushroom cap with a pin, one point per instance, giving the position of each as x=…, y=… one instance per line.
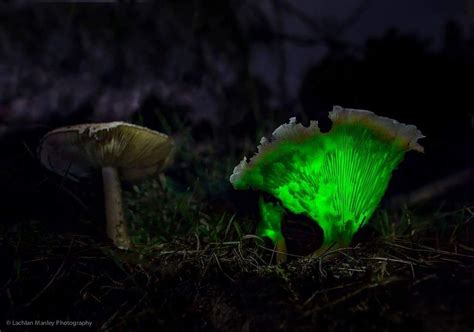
x=407, y=135
x=389, y=129
x=76, y=151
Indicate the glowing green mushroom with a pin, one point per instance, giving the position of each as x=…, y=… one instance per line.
x=336, y=178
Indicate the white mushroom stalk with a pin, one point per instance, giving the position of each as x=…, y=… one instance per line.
x=116, y=224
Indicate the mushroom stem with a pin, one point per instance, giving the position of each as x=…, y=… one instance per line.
x=116, y=224
x=281, y=250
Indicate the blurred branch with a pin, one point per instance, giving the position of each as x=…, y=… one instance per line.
x=300, y=14
x=282, y=35
x=353, y=17
x=433, y=190
x=298, y=40
x=320, y=29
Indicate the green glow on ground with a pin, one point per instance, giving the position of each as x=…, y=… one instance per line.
x=337, y=179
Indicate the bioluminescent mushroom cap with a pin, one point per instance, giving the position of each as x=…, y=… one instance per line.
x=77, y=151
x=336, y=178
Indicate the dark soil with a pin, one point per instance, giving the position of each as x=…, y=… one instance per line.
x=381, y=285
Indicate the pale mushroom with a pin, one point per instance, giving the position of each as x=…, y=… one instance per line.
x=122, y=151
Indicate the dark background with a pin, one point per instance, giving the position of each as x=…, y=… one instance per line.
x=226, y=73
